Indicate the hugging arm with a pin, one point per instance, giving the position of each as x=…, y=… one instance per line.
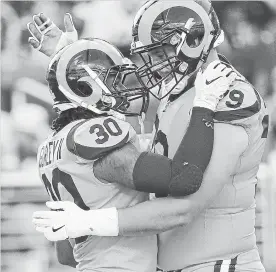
x=183, y=174
x=153, y=173
x=162, y=214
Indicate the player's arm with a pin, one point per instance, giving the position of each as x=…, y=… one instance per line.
x=182, y=175
x=162, y=214
x=150, y=217
x=153, y=173
x=64, y=253
x=156, y=173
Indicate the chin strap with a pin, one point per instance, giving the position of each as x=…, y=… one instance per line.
x=117, y=115
x=141, y=119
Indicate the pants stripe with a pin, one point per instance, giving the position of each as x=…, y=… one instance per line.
x=220, y=266
x=232, y=266
x=217, y=266
x=225, y=266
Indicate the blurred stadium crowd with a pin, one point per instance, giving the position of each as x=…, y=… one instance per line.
x=26, y=112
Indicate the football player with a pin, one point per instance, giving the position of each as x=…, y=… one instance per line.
x=215, y=224
x=218, y=220
x=93, y=85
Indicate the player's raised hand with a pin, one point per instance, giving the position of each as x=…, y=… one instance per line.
x=47, y=37
x=212, y=84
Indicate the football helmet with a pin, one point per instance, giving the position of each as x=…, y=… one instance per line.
x=189, y=27
x=93, y=74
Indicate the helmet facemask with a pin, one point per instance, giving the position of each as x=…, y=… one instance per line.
x=124, y=86
x=182, y=35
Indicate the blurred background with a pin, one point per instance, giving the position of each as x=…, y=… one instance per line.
x=26, y=112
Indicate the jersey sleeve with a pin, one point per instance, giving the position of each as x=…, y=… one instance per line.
x=243, y=106
x=94, y=138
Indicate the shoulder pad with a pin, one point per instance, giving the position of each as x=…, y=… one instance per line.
x=94, y=138
x=241, y=102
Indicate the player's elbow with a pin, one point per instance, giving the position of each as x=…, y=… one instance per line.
x=186, y=180
x=154, y=173
x=63, y=258
x=64, y=253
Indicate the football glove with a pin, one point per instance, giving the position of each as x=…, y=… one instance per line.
x=47, y=37
x=67, y=220
x=213, y=84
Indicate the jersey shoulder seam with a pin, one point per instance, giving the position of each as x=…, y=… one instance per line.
x=93, y=152
x=70, y=138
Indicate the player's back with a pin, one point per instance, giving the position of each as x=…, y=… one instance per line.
x=66, y=168
x=226, y=228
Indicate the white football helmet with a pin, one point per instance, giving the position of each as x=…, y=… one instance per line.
x=93, y=74
x=190, y=27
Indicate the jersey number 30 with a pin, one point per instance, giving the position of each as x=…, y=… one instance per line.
x=67, y=181
x=109, y=127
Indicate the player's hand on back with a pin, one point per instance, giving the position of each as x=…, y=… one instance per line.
x=47, y=37
x=212, y=84
x=67, y=220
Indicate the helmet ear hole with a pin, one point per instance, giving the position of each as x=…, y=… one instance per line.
x=84, y=88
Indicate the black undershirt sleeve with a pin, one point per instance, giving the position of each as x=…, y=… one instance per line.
x=197, y=145
x=183, y=174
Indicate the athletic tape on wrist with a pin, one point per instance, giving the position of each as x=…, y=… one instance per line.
x=65, y=39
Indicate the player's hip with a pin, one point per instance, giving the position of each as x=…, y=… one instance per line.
x=245, y=262
x=217, y=238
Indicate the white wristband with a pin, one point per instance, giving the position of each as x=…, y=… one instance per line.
x=65, y=39
x=103, y=222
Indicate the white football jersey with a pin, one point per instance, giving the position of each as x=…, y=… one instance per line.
x=226, y=228
x=65, y=163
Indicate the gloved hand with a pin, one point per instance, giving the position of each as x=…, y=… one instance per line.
x=213, y=84
x=67, y=220
x=47, y=37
